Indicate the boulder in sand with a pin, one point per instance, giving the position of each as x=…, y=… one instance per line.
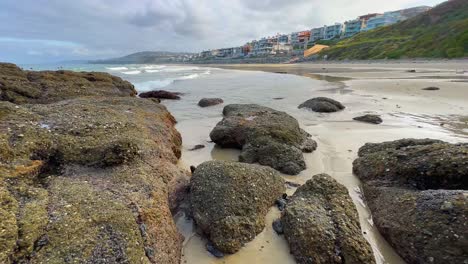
x=372, y=119
x=205, y=102
x=266, y=136
x=322, y=105
x=431, y=88
x=321, y=224
x=417, y=192
x=161, y=94
x=230, y=200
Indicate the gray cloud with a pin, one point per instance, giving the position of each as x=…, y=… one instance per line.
x=107, y=28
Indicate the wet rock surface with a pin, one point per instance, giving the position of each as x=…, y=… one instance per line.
x=230, y=200
x=266, y=136
x=322, y=105
x=39, y=87
x=372, y=119
x=161, y=94
x=417, y=192
x=87, y=179
x=205, y=102
x=321, y=224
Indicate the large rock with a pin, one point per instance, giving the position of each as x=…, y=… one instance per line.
x=373, y=119
x=87, y=180
x=322, y=105
x=161, y=94
x=417, y=193
x=269, y=137
x=321, y=224
x=230, y=201
x=205, y=102
x=20, y=87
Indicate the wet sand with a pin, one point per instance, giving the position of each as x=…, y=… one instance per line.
x=387, y=89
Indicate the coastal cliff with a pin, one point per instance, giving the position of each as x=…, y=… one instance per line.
x=86, y=171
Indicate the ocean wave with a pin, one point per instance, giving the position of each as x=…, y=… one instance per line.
x=132, y=72
x=152, y=85
x=152, y=71
x=179, y=69
x=188, y=77
x=152, y=67
x=117, y=68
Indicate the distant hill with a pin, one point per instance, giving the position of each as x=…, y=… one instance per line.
x=442, y=32
x=147, y=57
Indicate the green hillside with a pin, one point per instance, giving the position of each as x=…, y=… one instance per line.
x=441, y=32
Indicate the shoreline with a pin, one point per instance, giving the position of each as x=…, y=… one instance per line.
x=339, y=137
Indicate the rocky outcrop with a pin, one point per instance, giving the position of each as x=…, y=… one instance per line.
x=417, y=193
x=322, y=105
x=161, y=94
x=372, y=119
x=230, y=200
x=39, y=87
x=205, y=102
x=269, y=137
x=87, y=179
x=321, y=224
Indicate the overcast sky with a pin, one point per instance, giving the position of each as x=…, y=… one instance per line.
x=34, y=31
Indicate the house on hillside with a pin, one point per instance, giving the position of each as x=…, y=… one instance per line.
x=352, y=27
x=333, y=31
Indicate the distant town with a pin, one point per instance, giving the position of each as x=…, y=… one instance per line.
x=297, y=43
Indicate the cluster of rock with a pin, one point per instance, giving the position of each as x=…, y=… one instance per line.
x=321, y=224
x=230, y=200
x=86, y=170
x=417, y=191
x=265, y=136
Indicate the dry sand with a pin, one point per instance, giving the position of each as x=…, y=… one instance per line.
x=386, y=89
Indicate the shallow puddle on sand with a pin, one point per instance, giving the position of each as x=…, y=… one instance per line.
x=339, y=138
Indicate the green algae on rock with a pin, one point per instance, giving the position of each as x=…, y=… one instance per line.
x=87, y=179
x=20, y=87
x=269, y=137
x=417, y=192
x=321, y=224
x=230, y=200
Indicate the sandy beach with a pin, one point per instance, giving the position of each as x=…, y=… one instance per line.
x=392, y=90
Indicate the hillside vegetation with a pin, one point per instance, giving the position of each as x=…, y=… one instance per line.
x=442, y=32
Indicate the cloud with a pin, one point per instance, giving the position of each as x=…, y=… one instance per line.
x=38, y=29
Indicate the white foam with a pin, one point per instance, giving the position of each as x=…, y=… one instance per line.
x=132, y=72
x=152, y=67
x=117, y=68
x=152, y=85
x=178, y=69
x=188, y=77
